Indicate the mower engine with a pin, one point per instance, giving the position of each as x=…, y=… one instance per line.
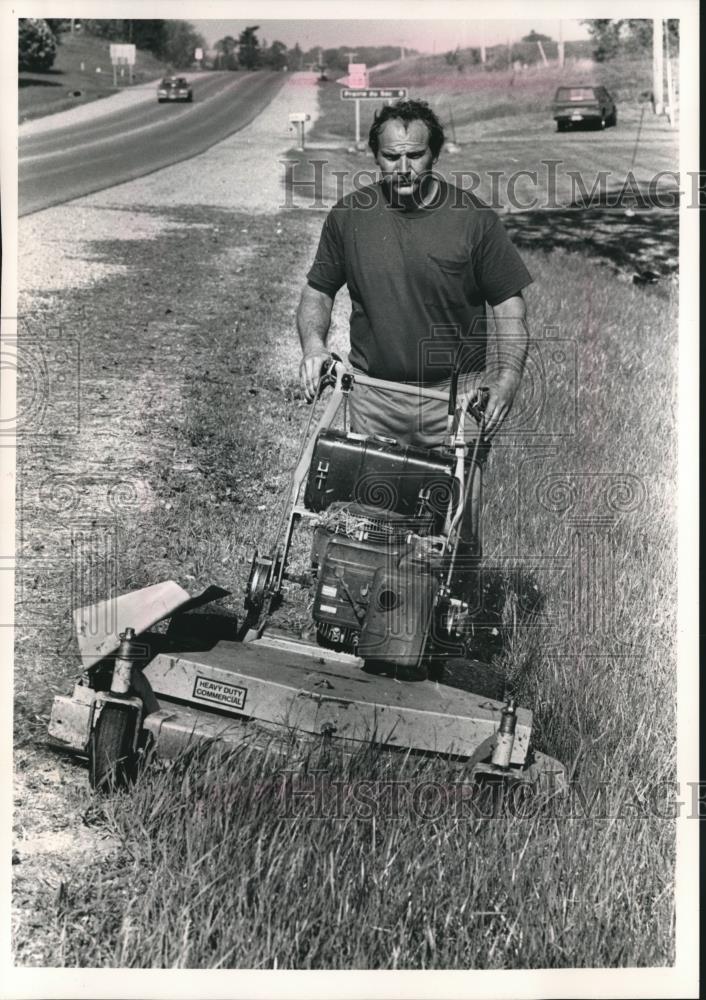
x=379, y=550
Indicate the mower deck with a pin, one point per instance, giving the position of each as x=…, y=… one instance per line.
x=290, y=683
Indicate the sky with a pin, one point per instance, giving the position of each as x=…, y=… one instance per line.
x=425, y=36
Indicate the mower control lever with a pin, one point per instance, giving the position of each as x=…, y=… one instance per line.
x=477, y=408
x=327, y=375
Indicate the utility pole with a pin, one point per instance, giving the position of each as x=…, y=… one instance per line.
x=561, y=43
x=658, y=65
x=670, y=83
x=482, y=41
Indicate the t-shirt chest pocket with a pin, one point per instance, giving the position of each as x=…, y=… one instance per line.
x=450, y=279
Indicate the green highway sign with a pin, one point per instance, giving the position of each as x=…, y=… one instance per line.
x=374, y=94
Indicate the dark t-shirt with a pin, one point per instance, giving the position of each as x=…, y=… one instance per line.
x=418, y=280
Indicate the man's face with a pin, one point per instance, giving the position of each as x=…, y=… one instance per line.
x=404, y=155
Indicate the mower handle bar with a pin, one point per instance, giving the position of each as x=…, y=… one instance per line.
x=333, y=369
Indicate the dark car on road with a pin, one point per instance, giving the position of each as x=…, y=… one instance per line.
x=174, y=88
x=581, y=105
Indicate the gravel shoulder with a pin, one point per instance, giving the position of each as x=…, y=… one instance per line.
x=57, y=247
x=70, y=259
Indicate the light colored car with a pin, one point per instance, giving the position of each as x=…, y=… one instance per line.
x=582, y=105
x=174, y=88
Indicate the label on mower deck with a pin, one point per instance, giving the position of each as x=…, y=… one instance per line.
x=220, y=693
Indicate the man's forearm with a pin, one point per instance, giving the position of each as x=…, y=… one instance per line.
x=313, y=320
x=512, y=336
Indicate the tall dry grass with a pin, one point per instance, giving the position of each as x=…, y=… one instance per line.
x=213, y=872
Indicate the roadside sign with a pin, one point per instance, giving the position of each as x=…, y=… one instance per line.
x=121, y=55
x=357, y=75
x=386, y=94
x=198, y=55
x=374, y=94
x=124, y=54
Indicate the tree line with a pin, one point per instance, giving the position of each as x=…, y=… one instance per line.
x=627, y=36
x=247, y=51
x=175, y=42
x=172, y=41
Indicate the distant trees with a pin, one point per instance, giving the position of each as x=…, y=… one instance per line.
x=227, y=57
x=57, y=25
x=276, y=56
x=37, y=45
x=605, y=34
x=180, y=42
x=536, y=36
x=337, y=59
x=462, y=58
x=630, y=35
x=252, y=52
x=249, y=54
x=295, y=58
x=147, y=34
x=144, y=33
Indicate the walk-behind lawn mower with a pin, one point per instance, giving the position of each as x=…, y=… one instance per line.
x=391, y=629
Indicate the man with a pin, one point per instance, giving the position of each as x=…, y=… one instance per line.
x=421, y=259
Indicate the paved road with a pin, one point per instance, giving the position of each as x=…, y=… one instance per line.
x=69, y=162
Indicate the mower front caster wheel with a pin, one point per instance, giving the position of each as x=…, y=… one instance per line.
x=112, y=762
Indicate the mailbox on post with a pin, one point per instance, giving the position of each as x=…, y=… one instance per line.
x=300, y=118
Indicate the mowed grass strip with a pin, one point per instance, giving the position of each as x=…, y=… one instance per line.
x=212, y=872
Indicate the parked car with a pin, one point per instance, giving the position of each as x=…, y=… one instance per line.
x=581, y=105
x=174, y=88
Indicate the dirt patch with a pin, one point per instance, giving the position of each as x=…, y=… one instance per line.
x=53, y=836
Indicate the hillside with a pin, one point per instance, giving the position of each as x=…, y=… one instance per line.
x=465, y=92
x=626, y=76
x=79, y=58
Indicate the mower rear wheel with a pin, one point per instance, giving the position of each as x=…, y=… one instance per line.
x=111, y=759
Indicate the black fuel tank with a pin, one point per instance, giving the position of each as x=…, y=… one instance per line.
x=380, y=473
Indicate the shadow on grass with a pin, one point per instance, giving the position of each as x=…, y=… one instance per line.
x=24, y=82
x=630, y=232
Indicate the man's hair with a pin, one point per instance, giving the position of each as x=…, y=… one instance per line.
x=407, y=112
